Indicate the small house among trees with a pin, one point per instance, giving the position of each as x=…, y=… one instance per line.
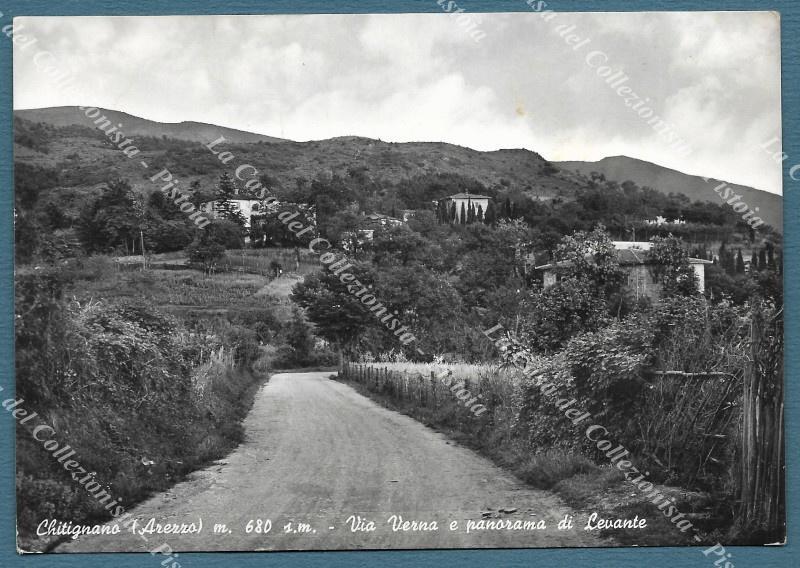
x=463, y=208
x=642, y=268
x=379, y=220
x=233, y=205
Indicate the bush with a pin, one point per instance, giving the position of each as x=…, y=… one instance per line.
x=244, y=343
x=550, y=467
x=117, y=378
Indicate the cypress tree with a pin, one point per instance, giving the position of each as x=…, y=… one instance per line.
x=463, y=218
x=491, y=214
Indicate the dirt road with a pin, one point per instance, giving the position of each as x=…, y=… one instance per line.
x=316, y=452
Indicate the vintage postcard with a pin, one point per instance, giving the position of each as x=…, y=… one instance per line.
x=401, y=281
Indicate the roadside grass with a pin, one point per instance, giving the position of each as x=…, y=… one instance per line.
x=550, y=468
x=472, y=372
x=118, y=440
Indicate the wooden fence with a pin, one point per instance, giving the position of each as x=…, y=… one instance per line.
x=425, y=390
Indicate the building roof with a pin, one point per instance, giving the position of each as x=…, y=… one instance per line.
x=625, y=257
x=379, y=217
x=638, y=245
x=467, y=196
x=238, y=196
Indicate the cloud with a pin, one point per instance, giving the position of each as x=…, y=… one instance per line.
x=715, y=76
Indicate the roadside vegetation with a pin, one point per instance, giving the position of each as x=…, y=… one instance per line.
x=668, y=378
x=146, y=374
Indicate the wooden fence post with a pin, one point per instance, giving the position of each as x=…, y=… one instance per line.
x=433, y=390
x=762, y=481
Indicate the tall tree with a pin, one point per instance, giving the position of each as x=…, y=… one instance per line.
x=339, y=317
x=583, y=298
x=299, y=338
x=491, y=214
x=669, y=265
x=225, y=207
x=111, y=219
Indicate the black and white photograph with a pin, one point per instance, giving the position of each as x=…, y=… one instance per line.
x=450, y=280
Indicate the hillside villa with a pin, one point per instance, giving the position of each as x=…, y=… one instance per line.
x=462, y=203
x=247, y=204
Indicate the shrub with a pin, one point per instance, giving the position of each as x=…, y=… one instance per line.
x=546, y=469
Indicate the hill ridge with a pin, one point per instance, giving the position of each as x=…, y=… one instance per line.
x=288, y=161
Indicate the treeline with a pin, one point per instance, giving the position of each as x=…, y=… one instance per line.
x=118, y=220
x=445, y=281
x=337, y=201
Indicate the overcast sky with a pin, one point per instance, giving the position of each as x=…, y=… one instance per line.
x=715, y=76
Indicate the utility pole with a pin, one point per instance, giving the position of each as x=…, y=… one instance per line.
x=141, y=242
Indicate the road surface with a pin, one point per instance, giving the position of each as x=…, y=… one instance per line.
x=317, y=453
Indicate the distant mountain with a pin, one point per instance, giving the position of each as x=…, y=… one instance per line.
x=135, y=126
x=87, y=159
x=665, y=180
x=73, y=141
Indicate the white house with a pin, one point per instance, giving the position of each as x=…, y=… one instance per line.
x=248, y=205
x=468, y=200
x=632, y=258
